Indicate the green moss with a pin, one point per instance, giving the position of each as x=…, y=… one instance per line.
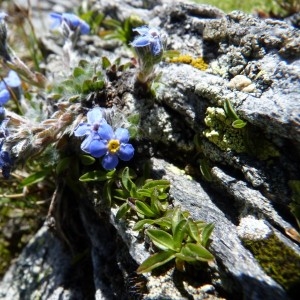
x=221, y=132
x=279, y=262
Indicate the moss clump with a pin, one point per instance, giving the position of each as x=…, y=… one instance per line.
x=197, y=63
x=279, y=262
x=221, y=132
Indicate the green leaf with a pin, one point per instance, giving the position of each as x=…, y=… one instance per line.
x=35, y=178
x=97, y=176
x=140, y=224
x=229, y=110
x=176, y=218
x=87, y=160
x=205, y=234
x=121, y=194
x=98, y=85
x=112, y=23
x=239, y=123
x=161, y=239
x=105, y=63
x=127, y=183
x=162, y=183
x=155, y=260
x=124, y=208
x=197, y=252
x=155, y=203
x=144, y=193
x=184, y=257
x=179, y=232
x=134, y=119
x=144, y=209
x=205, y=169
x=107, y=193
x=77, y=72
x=87, y=86
x=194, y=231
x=63, y=164
x=164, y=223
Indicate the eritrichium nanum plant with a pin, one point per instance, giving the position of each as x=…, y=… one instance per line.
x=39, y=133
x=101, y=141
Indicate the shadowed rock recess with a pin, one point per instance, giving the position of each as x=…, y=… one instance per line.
x=255, y=65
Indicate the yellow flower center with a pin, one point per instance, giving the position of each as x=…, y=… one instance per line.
x=113, y=146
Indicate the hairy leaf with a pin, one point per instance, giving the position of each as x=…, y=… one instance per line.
x=97, y=176
x=144, y=209
x=207, y=230
x=127, y=183
x=140, y=224
x=179, y=232
x=124, y=208
x=194, y=231
x=155, y=260
x=161, y=239
x=197, y=252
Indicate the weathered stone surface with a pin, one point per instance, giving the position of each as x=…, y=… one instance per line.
x=246, y=186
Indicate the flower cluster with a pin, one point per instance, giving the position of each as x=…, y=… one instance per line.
x=71, y=20
x=149, y=49
x=101, y=141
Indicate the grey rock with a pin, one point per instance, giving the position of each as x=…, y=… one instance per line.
x=244, y=186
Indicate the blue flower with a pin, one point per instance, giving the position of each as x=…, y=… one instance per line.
x=100, y=140
x=112, y=146
x=71, y=20
x=5, y=162
x=12, y=80
x=4, y=96
x=149, y=38
x=91, y=128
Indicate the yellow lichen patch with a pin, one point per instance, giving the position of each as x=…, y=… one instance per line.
x=198, y=62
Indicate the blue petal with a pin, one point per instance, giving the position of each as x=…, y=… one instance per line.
x=109, y=161
x=4, y=96
x=85, y=145
x=12, y=80
x=84, y=27
x=95, y=115
x=71, y=19
x=141, y=41
x=143, y=30
x=82, y=129
x=97, y=148
x=57, y=18
x=106, y=132
x=56, y=15
x=126, y=152
x=156, y=46
x=122, y=135
x=5, y=159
